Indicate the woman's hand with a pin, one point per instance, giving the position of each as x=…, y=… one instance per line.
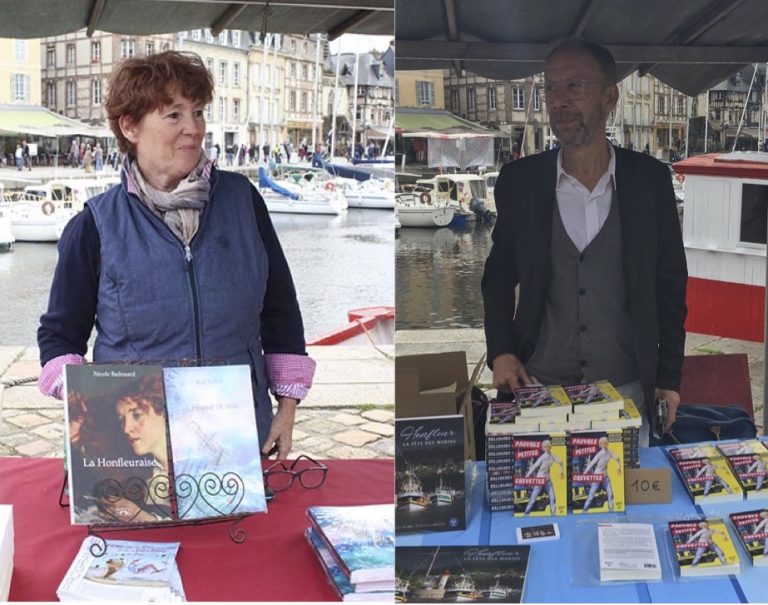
x=281, y=431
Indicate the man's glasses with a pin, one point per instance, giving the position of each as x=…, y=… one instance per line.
x=570, y=89
x=311, y=474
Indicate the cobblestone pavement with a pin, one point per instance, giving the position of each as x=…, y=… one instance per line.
x=33, y=425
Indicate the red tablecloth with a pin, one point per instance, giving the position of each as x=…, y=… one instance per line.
x=273, y=564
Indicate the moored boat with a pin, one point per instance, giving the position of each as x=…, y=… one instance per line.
x=6, y=232
x=36, y=221
x=410, y=496
x=417, y=210
x=374, y=325
x=298, y=198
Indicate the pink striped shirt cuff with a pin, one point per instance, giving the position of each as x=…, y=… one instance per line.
x=289, y=375
x=51, y=381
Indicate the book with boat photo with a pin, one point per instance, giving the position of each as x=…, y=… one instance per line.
x=480, y=574
x=429, y=474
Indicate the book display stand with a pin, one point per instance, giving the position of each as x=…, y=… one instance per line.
x=161, y=445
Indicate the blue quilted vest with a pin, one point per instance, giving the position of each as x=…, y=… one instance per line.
x=161, y=303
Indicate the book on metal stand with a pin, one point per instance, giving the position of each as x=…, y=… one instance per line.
x=161, y=445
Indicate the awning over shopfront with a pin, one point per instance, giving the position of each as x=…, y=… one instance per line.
x=33, y=120
x=437, y=123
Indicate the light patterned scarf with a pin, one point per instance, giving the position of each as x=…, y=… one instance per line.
x=179, y=209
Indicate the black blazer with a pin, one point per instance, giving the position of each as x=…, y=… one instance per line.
x=654, y=262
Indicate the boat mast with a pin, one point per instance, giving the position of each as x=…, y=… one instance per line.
x=335, y=104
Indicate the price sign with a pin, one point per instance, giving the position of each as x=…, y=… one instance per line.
x=647, y=485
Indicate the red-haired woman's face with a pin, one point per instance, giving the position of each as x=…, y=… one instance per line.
x=143, y=426
x=168, y=141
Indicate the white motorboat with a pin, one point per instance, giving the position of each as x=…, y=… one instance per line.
x=6, y=232
x=375, y=194
x=35, y=221
x=410, y=496
x=417, y=210
x=297, y=198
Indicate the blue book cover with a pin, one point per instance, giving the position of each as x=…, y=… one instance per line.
x=214, y=441
x=361, y=538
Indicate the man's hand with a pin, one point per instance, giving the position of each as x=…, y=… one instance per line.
x=509, y=373
x=281, y=430
x=673, y=400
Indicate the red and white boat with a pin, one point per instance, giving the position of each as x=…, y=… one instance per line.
x=368, y=325
x=724, y=232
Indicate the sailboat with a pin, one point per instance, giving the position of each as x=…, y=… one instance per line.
x=433, y=587
x=443, y=494
x=462, y=590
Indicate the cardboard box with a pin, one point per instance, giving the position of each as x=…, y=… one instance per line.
x=436, y=384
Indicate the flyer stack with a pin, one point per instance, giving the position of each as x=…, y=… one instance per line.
x=6, y=550
x=355, y=546
x=127, y=571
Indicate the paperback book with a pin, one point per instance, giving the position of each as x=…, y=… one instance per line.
x=147, y=444
x=540, y=474
x=596, y=471
x=542, y=401
x=594, y=396
x=360, y=538
x=429, y=474
x=501, y=417
x=752, y=529
x=705, y=474
x=749, y=463
x=127, y=571
x=703, y=547
x=480, y=574
x=340, y=582
x=628, y=551
x=6, y=550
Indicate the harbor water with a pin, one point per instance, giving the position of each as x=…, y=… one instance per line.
x=338, y=263
x=438, y=274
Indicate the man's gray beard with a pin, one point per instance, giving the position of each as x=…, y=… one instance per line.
x=580, y=138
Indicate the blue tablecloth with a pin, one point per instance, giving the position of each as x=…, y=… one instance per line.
x=565, y=570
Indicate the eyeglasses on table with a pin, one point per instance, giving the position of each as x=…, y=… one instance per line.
x=310, y=473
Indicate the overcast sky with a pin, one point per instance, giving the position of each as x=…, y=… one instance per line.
x=349, y=43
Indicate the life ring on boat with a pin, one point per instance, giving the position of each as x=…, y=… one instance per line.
x=48, y=208
x=330, y=186
x=680, y=178
x=425, y=198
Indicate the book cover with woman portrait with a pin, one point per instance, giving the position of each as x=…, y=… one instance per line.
x=117, y=446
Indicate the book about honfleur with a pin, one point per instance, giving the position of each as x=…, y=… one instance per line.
x=752, y=529
x=360, y=538
x=748, y=460
x=121, y=453
x=705, y=474
x=429, y=474
x=540, y=474
x=703, y=547
x=479, y=574
x=542, y=401
x=595, y=471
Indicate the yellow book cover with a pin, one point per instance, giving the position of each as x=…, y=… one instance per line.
x=703, y=547
x=542, y=401
x=596, y=471
x=600, y=395
x=540, y=474
x=709, y=479
x=627, y=418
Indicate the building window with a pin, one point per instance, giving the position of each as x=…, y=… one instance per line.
x=754, y=202
x=50, y=93
x=209, y=112
x=19, y=87
x=195, y=34
x=425, y=93
x=127, y=49
x=71, y=93
x=209, y=65
x=267, y=75
x=166, y=46
x=70, y=54
x=304, y=71
x=20, y=51
x=661, y=104
x=470, y=98
x=292, y=69
x=236, y=110
x=491, y=98
x=223, y=73
x=681, y=106
x=537, y=99
x=222, y=109
x=149, y=48
x=293, y=45
x=208, y=36
x=50, y=56
x=236, y=39
x=95, y=52
x=96, y=92
x=455, y=99
x=292, y=100
x=223, y=38
x=312, y=73
x=518, y=98
x=236, y=74
x=304, y=104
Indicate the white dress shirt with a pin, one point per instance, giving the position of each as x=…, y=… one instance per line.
x=583, y=211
